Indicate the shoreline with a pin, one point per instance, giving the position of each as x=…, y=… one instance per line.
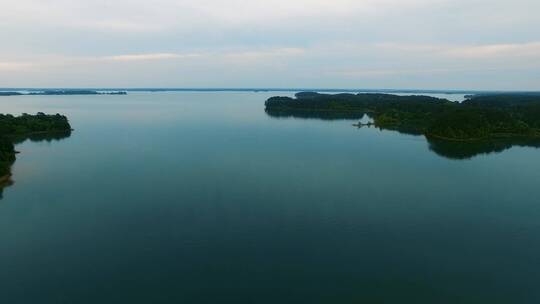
x=492, y=137
x=18, y=129
x=5, y=178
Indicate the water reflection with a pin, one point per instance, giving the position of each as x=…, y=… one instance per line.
x=48, y=137
x=7, y=181
x=449, y=149
x=321, y=115
x=468, y=150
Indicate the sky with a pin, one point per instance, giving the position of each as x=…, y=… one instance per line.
x=400, y=44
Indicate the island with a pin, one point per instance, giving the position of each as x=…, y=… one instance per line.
x=15, y=129
x=10, y=94
x=478, y=118
x=62, y=92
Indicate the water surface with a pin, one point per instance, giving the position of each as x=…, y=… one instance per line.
x=191, y=197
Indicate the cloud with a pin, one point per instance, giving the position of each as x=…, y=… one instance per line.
x=12, y=66
x=530, y=49
x=264, y=54
x=370, y=73
x=268, y=43
x=226, y=56
x=239, y=55
x=142, y=15
x=145, y=57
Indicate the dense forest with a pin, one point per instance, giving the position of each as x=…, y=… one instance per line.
x=14, y=129
x=478, y=118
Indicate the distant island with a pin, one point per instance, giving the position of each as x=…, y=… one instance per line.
x=478, y=118
x=14, y=129
x=62, y=92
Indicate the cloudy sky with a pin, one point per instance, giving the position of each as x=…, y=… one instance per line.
x=431, y=44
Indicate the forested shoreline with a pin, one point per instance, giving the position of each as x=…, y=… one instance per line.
x=478, y=118
x=14, y=129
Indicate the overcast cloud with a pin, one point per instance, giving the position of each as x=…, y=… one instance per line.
x=432, y=44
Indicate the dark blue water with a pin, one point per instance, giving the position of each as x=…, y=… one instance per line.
x=189, y=197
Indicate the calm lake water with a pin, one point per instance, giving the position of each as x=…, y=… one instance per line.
x=193, y=197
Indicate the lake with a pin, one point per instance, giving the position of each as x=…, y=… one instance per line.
x=202, y=197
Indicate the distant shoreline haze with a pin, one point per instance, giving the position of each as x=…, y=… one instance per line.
x=270, y=89
x=60, y=92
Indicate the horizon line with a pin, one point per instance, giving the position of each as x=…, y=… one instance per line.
x=272, y=89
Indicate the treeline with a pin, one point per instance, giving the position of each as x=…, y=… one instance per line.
x=15, y=128
x=62, y=92
x=478, y=118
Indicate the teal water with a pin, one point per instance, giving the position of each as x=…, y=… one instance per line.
x=187, y=197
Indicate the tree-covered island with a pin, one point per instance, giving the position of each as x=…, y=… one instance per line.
x=62, y=92
x=478, y=118
x=14, y=129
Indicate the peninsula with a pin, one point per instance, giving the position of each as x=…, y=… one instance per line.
x=13, y=129
x=498, y=116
